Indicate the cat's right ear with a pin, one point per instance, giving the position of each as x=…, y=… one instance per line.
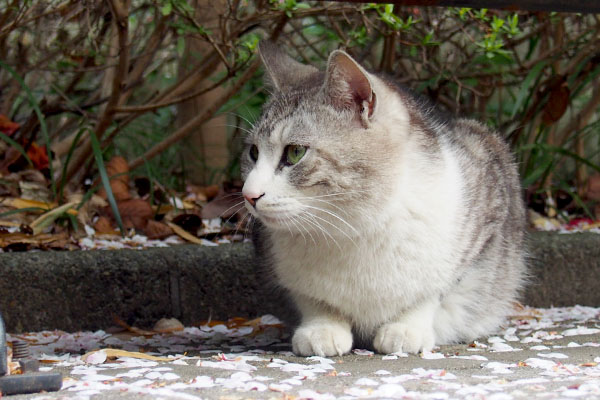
x=348, y=86
x=283, y=72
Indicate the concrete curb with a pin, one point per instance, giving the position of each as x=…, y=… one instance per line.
x=84, y=289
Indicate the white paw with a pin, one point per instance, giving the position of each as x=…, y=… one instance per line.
x=323, y=339
x=403, y=337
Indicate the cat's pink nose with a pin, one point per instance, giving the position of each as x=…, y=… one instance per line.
x=252, y=198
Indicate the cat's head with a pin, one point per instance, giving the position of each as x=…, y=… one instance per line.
x=319, y=156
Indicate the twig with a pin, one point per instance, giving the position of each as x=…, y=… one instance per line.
x=199, y=120
x=121, y=22
x=582, y=117
x=140, y=65
x=154, y=106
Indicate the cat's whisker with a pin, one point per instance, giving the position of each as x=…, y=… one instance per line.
x=233, y=206
x=250, y=222
x=334, y=194
x=301, y=218
x=335, y=226
x=322, y=229
x=297, y=227
x=285, y=221
x=306, y=216
x=252, y=115
x=335, y=216
x=232, y=194
x=325, y=234
x=248, y=131
x=332, y=205
x=242, y=117
x=240, y=223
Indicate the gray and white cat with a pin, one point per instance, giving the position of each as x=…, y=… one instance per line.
x=379, y=217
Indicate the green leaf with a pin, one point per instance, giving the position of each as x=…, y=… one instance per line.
x=45, y=220
x=547, y=148
x=539, y=171
x=22, y=210
x=17, y=146
x=166, y=9
x=525, y=91
x=63, y=182
x=578, y=200
x=106, y=181
x=73, y=221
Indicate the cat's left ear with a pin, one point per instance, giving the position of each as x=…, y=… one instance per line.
x=348, y=86
x=283, y=73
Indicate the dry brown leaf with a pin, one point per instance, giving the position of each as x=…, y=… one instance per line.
x=46, y=219
x=184, y=234
x=157, y=230
x=92, y=207
x=120, y=190
x=9, y=223
x=7, y=126
x=35, y=190
x=20, y=203
x=132, y=329
x=103, y=226
x=189, y=222
x=163, y=209
x=11, y=156
x=557, y=102
x=118, y=166
x=7, y=239
x=589, y=364
x=25, y=203
x=114, y=353
x=166, y=208
x=118, y=171
x=168, y=325
x=224, y=206
x=135, y=213
x=204, y=193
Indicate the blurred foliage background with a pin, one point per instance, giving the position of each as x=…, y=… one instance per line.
x=173, y=85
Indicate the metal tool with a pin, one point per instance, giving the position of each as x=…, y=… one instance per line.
x=31, y=380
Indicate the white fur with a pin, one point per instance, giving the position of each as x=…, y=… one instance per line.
x=383, y=270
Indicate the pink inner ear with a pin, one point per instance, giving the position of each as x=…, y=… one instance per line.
x=351, y=80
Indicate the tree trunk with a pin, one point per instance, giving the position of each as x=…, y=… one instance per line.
x=205, y=153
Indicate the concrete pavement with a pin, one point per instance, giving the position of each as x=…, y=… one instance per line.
x=541, y=353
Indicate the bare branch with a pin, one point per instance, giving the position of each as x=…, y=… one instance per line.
x=120, y=77
x=207, y=114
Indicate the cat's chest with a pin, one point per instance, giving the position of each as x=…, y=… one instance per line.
x=374, y=277
x=342, y=277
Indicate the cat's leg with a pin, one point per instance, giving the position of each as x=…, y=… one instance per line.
x=322, y=332
x=412, y=332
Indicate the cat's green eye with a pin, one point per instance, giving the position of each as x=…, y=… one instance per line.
x=294, y=153
x=254, y=153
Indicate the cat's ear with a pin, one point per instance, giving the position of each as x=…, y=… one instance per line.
x=283, y=72
x=348, y=86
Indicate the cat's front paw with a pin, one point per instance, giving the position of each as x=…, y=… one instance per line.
x=403, y=337
x=323, y=339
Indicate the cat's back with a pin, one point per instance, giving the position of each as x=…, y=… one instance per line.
x=494, y=228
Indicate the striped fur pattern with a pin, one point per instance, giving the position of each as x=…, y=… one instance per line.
x=398, y=227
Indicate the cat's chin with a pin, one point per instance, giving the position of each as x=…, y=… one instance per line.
x=275, y=221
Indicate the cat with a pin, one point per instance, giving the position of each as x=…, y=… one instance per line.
x=386, y=221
